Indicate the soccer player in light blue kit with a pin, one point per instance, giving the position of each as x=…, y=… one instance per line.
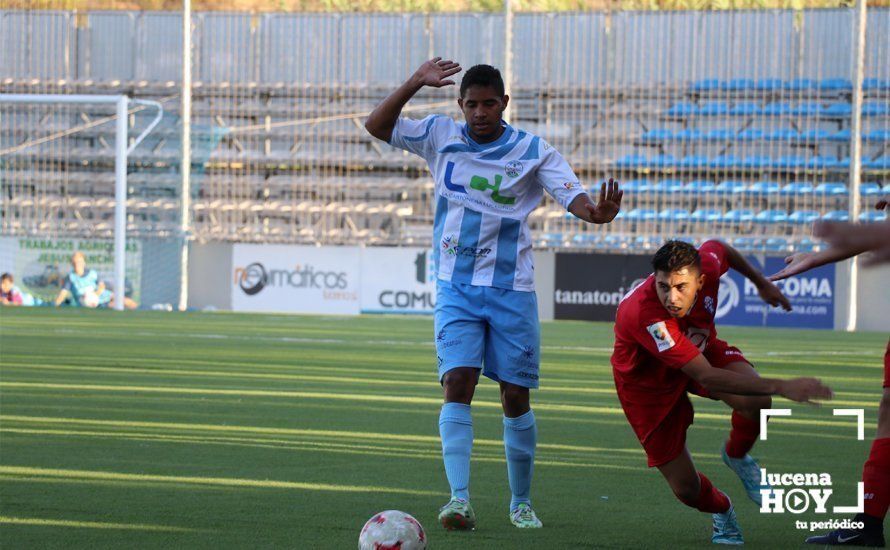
x=85, y=289
x=489, y=176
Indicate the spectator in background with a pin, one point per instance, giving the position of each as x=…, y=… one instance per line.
x=85, y=289
x=10, y=295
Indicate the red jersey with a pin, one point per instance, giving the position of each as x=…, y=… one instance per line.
x=651, y=346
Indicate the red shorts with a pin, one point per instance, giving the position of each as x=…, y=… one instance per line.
x=887, y=366
x=668, y=439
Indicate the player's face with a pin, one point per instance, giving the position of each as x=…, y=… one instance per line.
x=78, y=263
x=483, y=109
x=677, y=290
x=5, y=285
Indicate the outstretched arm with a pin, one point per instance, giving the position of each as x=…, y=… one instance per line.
x=604, y=210
x=769, y=292
x=434, y=72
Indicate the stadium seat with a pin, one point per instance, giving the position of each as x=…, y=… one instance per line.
x=769, y=84
x=630, y=186
x=631, y=161
x=756, y=161
x=657, y=135
x=880, y=163
x=777, y=109
x=751, y=134
x=693, y=161
x=837, y=110
x=698, y=187
x=682, y=109
x=782, y=134
x=551, y=239
x=803, y=217
x=796, y=189
x=647, y=242
x=746, y=243
x=666, y=187
x=738, y=84
x=739, y=216
x=806, y=244
x=875, y=84
x=706, y=85
x=842, y=164
x=673, y=215
x=771, y=217
x=815, y=135
x=705, y=216
x=641, y=215
x=869, y=189
x=820, y=162
x=800, y=84
x=807, y=108
x=730, y=187
x=616, y=241
x=763, y=189
x=835, y=84
x=877, y=135
x=725, y=162
x=586, y=239
x=714, y=108
x=836, y=216
x=831, y=189
x=719, y=134
x=688, y=134
x=842, y=135
x=873, y=216
x=789, y=162
x=661, y=161
x=875, y=108
x=745, y=108
x=776, y=244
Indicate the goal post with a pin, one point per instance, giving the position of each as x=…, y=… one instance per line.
x=121, y=148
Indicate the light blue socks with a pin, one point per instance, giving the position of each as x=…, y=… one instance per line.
x=456, y=430
x=520, y=438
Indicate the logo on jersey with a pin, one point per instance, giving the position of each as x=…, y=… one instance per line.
x=513, y=168
x=569, y=185
x=479, y=183
x=662, y=337
x=709, y=304
x=728, y=296
x=449, y=245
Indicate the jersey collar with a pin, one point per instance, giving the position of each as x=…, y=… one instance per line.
x=505, y=137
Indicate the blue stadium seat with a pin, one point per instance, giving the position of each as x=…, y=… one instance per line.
x=739, y=216
x=806, y=244
x=769, y=84
x=803, y=216
x=782, y=134
x=875, y=84
x=714, y=108
x=880, y=163
x=730, y=187
x=800, y=84
x=587, y=238
x=616, y=241
x=835, y=84
x=745, y=108
x=746, y=243
x=873, y=216
x=777, y=109
x=831, y=189
x=821, y=162
x=662, y=161
x=807, y=108
x=630, y=186
x=869, y=189
x=771, y=217
x=877, y=135
x=719, y=134
x=647, y=242
x=751, y=134
x=738, y=84
x=659, y=134
x=686, y=239
x=843, y=163
x=837, y=110
x=796, y=189
x=631, y=161
x=693, y=161
x=725, y=162
x=763, y=189
x=815, y=135
x=682, y=109
x=875, y=108
x=836, y=216
x=698, y=187
x=706, y=85
x=756, y=161
x=705, y=216
x=666, y=187
x=843, y=135
x=688, y=134
x=776, y=244
x=641, y=215
x=674, y=214
x=789, y=162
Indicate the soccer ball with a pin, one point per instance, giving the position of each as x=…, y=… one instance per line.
x=392, y=530
x=89, y=299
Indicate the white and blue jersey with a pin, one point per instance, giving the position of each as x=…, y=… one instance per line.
x=485, y=193
x=79, y=285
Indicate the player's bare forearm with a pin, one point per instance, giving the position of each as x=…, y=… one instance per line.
x=605, y=210
x=383, y=118
x=61, y=297
x=578, y=207
x=739, y=263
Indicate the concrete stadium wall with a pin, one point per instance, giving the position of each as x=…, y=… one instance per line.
x=873, y=300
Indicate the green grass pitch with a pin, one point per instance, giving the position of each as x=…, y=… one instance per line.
x=148, y=429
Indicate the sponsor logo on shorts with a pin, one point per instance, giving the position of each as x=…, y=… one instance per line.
x=440, y=337
x=528, y=351
x=662, y=337
x=526, y=374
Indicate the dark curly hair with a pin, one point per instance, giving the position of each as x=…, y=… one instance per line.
x=675, y=255
x=482, y=75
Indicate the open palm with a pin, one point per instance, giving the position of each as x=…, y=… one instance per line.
x=435, y=72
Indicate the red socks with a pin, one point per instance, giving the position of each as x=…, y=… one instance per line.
x=709, y=498
x=743, y=435
x=876, y=475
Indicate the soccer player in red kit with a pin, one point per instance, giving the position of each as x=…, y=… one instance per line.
x=666, y=345
x=845, y=241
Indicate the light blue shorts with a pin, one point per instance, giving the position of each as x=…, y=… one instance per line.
x=488, y=328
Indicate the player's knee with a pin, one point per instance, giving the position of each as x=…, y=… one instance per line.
x=514, y=395
x=459, y=385
x=687, y=493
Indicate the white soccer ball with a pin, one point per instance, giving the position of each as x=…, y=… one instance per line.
x=89, y=299
x=392, y=530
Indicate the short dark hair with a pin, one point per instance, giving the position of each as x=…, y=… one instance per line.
x=675, y=255
x=6, y=276
x=482, y=75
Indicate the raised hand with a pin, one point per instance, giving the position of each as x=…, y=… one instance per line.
x=608, y=205
x=435, y=72
x=771, y=294
x=794, y=265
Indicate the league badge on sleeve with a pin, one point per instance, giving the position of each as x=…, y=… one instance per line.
x=662, y=337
